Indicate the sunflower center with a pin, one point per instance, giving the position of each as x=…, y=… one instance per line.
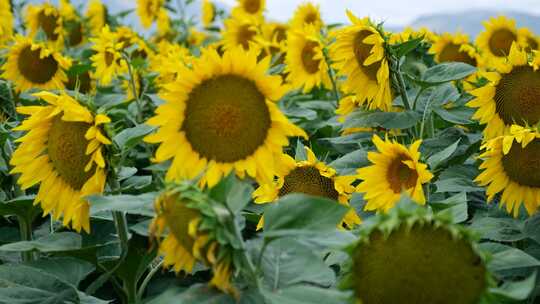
x=245, y=35
x=48, y=24
x=36, y=69
x=311, y=18
x=308, y=180
x=252, y=6
x=532, y=43
x=420, y=265
x=178, y=216
x=66, y=149
x=311, y=65
x=226, y=118
x=75, y=34
x=501, y=41
x=109, y=58
x=400, y=176
x=280, y=33
x=83, y=80
x=362, y=51
x=517, y=96
x=452, y=53
x=522, y=165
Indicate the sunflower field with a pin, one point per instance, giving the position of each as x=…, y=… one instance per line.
x=223, y=157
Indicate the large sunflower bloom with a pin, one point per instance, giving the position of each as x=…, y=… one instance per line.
x=35, y=65
x=187, y=242
x=97, y=16
x=395, y=169
x=62, y=152
x=108, y=59
x=497, y=39
x=307, y=14
x=148, y=11
x=206, y=129
x=359, y=56
x=454, y=48
x=311, y=177
x=6, y=22
x=306, y=65
x=47, y=18
x=511, y=166
x=512, y=95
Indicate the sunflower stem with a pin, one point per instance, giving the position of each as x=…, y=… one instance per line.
x=401, y=85
x=332, y=76
x=139, y=116
x=25, y=229
x=147, y=279
x=247, y=260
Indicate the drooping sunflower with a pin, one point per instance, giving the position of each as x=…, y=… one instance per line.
x=412, y=257
x=208, y=13
x=250, y=7
x=108, y=59
x=529, y=40
x=512, y=95
x=275, y=35
x=148, y=11
x=497, y=39
x=307, y=14
x=511, y=166
x=241, y=31
x=454, y=48
x=6, y=22
x=129, y=38
x=97, y=16
x=47, y=18
x=74, y=29
x=305, y=62
x=191, y=235
x=395, y=169
x=359, y=56
x=35, y=65
x=207, y=130
x=62, y=152
x=311, y=177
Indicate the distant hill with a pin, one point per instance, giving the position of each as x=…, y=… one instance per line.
x=470, y=22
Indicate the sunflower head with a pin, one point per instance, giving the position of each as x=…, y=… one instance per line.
x=148, y=11
x=395, y=169
x=307, y=14
x=46, y=18
x=249, y=7
x=167, y=59
x=62, y=152
x=6, y=22
x=359, y=55
x=306, y=64
x=189, y=218
x=528, y=40
x=208, y=13
x=409, y=34
x=454, y=48
x=82, y=81
x=511, y=96
x=241, y=31
x=311, y=177
x=497, y=39
x=35, y=65
x=108, y=60
x=410, y=257
x=511, y=166
x=97, y=16
x=209, y=132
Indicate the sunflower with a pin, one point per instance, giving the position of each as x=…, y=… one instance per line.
x=74, y=30
x=307, y=14
x=82, y=82
x=412, y=257
x=163, y=23
x=454, y=48
x=529, y=40
x=6, y=22
x=512, y=95
x=395, y=169
x=311, y=177
x=47, y=18
x=167, y=60
x=128, y=87
x=35, y=65
x=62, y=151
x=108, y=59
x=275, y=34
x=511, y=166
x=208, y=13
x=191, y=235
x=359, y=56
x=409, y=34
x=305, y=62
x=496, y=41
x=249, y=7
x=97, y=16
x=242, y=31
x=196, y=37
x=148, y=11
x=206, y=129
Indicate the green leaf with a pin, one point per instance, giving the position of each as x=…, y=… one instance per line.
x=457, y=184
x=239, y=195
x=61, y=241
x=129, y=138
x=26, y=285
x=437, y=159
x=350, y=162
x=299, y=212
x=512, y=258
x=86, y=299
x=142, y=204
x=67, y=269
x=387, y=120
x=455, y=206
x=446, y=72
x=458, y=115
x=22, y=206
x=404, y=48
x=498, y=229
x=306, y=294
x=197, y=293
x=532, y=228
x=518, y=291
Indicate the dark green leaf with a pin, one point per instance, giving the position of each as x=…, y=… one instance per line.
x=498, y=229
x=519, y=290
x=512, y=258
x=404, y=48
x=142, y=204
x=437, y=159
x=306, y=294
x=67, y=269
x=387, y=120
x=129, y=138
x=446, y=72
x=61, y=241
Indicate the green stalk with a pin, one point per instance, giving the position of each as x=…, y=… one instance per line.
x=147, y=279
x=139, y=117
x=25, y=230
